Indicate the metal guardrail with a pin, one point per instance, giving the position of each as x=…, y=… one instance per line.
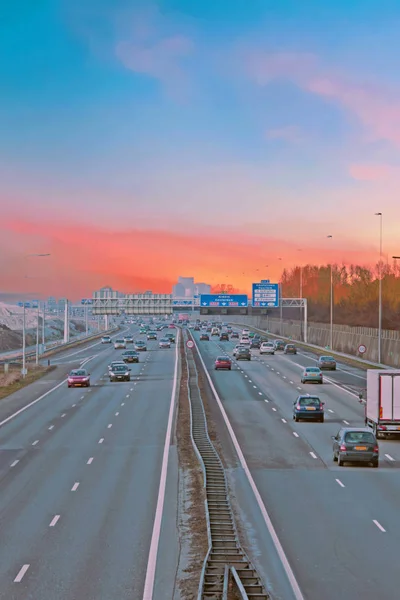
x=225, y=547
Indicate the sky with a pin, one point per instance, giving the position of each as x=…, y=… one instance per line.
x=223, y=140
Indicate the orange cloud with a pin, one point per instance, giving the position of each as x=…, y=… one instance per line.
x=84, y=258
x=370, y=172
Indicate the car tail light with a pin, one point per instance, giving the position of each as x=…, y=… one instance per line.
x=343, y=448
x=298, y=407
x=321, y=407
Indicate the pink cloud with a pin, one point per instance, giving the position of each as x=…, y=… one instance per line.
x=376, y=108
x=370, y=172
x=290, y=133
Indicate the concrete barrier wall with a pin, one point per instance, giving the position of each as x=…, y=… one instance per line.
x=345, y=338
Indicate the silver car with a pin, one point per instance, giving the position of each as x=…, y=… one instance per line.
x=267, y=348
x=312, y=375
x=119, y=345
x=164, y=343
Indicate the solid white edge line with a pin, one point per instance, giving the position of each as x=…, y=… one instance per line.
x=279, y=548
x=155, y=537
x=21, y=573
x=379, y=526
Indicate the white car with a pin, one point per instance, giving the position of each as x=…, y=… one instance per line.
x=106, y=339
x=245, y=340
x=267, y=348
x=245, y=332
x=237, y=347
x=119, y=344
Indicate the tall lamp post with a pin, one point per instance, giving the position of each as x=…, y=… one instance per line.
x=379, y=214
x=40, y=255
x=331, y=307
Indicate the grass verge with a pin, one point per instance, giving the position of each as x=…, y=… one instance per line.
x=13, y=381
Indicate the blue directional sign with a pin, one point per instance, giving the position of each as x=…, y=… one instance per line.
x=27, y=304
x=265, y=294
x=86, y=301
x=182, y=302
x=224, y=300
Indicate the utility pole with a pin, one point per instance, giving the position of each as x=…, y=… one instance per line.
x=37, y=336
x=23, y=345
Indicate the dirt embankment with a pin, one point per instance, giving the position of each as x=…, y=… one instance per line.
x=13, y=381
x=9, y=339
x=191, y=518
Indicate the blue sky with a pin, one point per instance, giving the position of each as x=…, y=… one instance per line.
x=272, y=118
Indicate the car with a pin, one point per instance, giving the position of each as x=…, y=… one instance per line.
x=229, y=330
x=245, y=342
x=223, y=362
x=236, y=349
x=106, y=339
x=140, y=346
x=196, y=328
x=119, y=344
x=114, y=363
x=142, y=331
x=209, y=329
x=255, y=343
x=224, y=337
x=327, y=363
x=312, y=374
x=245, y=332
x=279, y=345
x=308, y=408
x=267, y=348
x=128, y=339
x=159, y=328
x=119, y=373
x=290, y=349
x=164, y=343
x=234, y=335
x=215, y=331
x=204, y=337
x=78, y=378
x=171, y=337
x=355, y=444
x=243, y=353
x=171, y=326
x=251, y=335
x=130, y=356
x=151, y=335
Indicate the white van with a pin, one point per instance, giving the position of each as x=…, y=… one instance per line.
x=215, y=331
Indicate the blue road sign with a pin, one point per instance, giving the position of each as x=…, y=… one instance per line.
x=86, y=301
x=224, y=300
x=27, y=304
x=265, y=294
x=182, y=302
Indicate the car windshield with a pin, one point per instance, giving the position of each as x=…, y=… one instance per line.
x=312, y=370
x=355, y=437
x=309, y=401
x=79, y=373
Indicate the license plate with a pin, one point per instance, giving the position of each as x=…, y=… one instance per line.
x=360, y=447
x=310, y=407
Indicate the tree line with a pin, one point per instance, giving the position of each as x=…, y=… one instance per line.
x=355, y=293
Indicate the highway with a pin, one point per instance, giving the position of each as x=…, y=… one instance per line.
x=339, y=527
x=80, y=478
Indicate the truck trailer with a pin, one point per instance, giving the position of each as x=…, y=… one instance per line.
x=382, y=408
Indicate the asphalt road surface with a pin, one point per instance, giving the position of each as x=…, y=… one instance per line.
x=80, y=477
x=339, y=527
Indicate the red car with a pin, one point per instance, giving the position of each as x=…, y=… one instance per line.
x=223, y=362
x=79, y=378
x=171, y=326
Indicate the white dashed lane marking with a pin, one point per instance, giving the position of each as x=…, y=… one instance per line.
x=75, y=487
x=13, y=464
x=389, y=457
x=295, y=434
x=21, y=573
x=89, y=462
x=340, y=483
x=313, y=455
x=54, y=520
x=35, y=442
x=379, y=526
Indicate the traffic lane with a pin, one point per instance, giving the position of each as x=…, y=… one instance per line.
x=328, y=534
x=42, y=407
x=255, y=419
x=99, y=546
x=345, y=374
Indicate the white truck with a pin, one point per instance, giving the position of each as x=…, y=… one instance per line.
x=382, y=408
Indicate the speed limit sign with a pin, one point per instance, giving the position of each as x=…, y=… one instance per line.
x=189, y=344
x=362, y=349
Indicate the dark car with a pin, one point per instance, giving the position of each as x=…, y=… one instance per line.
x=209, y=329
x=229, y=330
x=327, y=363
x=204, y=337
x=279, y=345
x=130, y=356
x=308, y=408
x=243, y=354
x=290, y=349
x=235, y=335
x=224, y=337
x=255, y=343
x=151, y=335
x=120, y=373
x=140, y=346
x=171, y=337
x=79, y=378
x=196, y=328
x=223, y=362
x=355, y=444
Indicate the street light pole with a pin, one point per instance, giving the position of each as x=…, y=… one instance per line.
x=379, y=214
x=331, y=307
x=37, y=336
x=23, y=344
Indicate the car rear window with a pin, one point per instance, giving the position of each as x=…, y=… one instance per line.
x=222, y=358
x=312, y=370
x=359, y=436
x=327, y=358
x=311, y=401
